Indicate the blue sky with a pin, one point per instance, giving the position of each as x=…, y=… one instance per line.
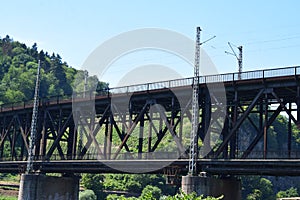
x=269, y=31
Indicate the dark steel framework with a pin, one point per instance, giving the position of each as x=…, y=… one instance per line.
x=151, y=122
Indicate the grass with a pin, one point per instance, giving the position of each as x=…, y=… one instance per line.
x=8, y=198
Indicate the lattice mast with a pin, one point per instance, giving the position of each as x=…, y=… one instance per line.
x=33, y=131
x=240, y=61
x=239, y=58
x=195, y=109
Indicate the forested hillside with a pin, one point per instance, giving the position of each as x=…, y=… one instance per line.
x=18, y=68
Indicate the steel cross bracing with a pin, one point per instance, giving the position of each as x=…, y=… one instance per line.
x=155, y=124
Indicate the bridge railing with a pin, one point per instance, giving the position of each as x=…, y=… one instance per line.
x=29, y=103
x=218, y=78
x=152, y=86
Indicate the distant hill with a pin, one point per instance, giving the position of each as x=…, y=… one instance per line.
x=18, y=68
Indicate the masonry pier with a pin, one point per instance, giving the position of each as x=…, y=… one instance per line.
x=230, y=188
x=40, y=186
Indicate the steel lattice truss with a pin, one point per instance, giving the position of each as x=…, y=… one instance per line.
x=155, y=124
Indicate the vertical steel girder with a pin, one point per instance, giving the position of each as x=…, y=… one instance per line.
x=262, y=133
x=267, y=116
x=238, y=124
x=13, y=139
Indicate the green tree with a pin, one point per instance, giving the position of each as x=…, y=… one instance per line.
x=116, y=197
x=18, y=64
x=7, y=46
x=255, y=195
x=136, y=182
x=87, y=195
x=266, y=188
x=258, y=188
x=291, y=192
x=149, y=195
x=94, y=182
x=5, y=62
x=192, y=196
x=150, y=192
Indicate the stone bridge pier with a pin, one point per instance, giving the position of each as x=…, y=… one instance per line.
x=40, y=186
x=207, y=186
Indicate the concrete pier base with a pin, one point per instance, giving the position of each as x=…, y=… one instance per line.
x=230, y=188
x=39, y=186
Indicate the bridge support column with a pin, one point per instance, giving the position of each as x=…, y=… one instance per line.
x=39, y=186
x=230, y=188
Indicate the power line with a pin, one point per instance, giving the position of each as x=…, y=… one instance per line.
x=273, y=40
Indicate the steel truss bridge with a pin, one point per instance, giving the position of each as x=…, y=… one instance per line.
x=146, y=128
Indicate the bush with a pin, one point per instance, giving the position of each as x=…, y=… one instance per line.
x=256, y=194
x=292, y=192
x=117, y=197
x=94, y=182
x=87, y=195
x=192, y=196
x=151, y=192
x=133, y=186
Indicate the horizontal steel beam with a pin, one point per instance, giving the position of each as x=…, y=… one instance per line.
x=272, y=167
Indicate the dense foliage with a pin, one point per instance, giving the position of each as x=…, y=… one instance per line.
x=258, y=188
x=135, y=183
x=87, y=195
x=94, y=182
x=18, y=72
x=18, y=68
x=153, y=193
x=143, y=186
x=291, y=192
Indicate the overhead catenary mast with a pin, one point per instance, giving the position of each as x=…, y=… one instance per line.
x=195, y=108
x=239, y=58
x=29, y=168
